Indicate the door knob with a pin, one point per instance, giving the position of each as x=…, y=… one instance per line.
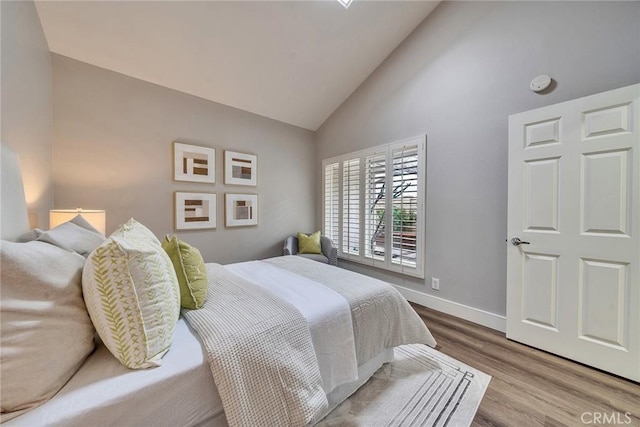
x=517, y=242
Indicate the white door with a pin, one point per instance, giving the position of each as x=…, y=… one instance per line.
x=573, y=285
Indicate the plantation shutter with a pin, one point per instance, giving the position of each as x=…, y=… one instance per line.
x=332, y=202
x=405, y=205
x=375, y=206
x=351, y=207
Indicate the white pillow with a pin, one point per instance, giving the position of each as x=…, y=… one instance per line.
x=76, y=235
x=29, y=235
x=46, y=331
x=132, y=295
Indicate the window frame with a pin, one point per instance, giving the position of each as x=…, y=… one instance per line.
x=387, y=263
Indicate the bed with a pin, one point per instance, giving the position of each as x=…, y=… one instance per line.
x=187, y=389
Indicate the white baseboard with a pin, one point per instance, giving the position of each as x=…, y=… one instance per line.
x=481, y=317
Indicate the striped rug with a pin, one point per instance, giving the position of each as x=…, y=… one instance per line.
x=421, y=387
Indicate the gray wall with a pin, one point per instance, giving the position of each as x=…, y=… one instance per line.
x=113, y=150
x=456, y=79
x=26, y=103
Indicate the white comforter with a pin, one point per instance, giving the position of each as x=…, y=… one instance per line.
x=382, y=318
x=260, y=348
x=327, y=312
x=104, y=392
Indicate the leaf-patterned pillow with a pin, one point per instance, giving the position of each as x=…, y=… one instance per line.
x=190, y=270
x=132, y=295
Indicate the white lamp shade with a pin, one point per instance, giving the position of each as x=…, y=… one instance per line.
x=97, y=218
x=345, y=3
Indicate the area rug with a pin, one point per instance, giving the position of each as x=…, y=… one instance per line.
x=421, y=387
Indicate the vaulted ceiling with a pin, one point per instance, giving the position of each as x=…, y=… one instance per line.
x=292, y=61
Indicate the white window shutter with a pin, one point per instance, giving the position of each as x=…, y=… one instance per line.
x=351, y=207
x=331, y=209
x=375, y=217
x=405, y=205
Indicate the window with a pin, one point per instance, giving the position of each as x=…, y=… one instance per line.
x=374, y=205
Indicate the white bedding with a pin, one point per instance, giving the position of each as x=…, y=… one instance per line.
x=182, y=392
x=179, y=393
x=326, y=311
x=105, y=393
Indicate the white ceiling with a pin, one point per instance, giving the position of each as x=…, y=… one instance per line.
x=293, y=61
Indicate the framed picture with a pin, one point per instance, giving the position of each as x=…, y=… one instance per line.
x=195, y=211
x=240, y=210
x=194, y=163
x=240, y=168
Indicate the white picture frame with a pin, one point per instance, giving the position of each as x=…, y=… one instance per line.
x=241, y=210
x=240, y=168
x=195, y=211
x=193, y=163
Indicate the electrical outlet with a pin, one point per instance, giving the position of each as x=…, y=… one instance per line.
x=435, y=283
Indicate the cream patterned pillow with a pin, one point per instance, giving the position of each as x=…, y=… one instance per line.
x=133, y=230
x=132, y=295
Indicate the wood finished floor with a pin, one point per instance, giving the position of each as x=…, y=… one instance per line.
x=530, y=387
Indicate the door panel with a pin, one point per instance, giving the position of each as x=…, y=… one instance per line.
x=541, y=199
x=539, y=303
x=607, y=121
x=605, y=192
x=602, y=311
x=574, y=195
x=547, y=132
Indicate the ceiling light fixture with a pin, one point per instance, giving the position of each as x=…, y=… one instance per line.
x=345, y=3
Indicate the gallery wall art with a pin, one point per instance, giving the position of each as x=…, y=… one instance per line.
x=195, y=211
x=193, y=163
x=241, y=210
x=240, y=168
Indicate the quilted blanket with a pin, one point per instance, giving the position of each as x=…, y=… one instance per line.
x=260, y=352
x=327, y=313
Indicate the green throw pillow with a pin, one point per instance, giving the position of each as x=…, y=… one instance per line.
x=309, y=244
x=191, y=272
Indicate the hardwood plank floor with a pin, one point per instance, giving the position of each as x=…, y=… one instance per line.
x=530, y=387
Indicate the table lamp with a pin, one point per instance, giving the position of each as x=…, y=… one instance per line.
x=97, y=218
